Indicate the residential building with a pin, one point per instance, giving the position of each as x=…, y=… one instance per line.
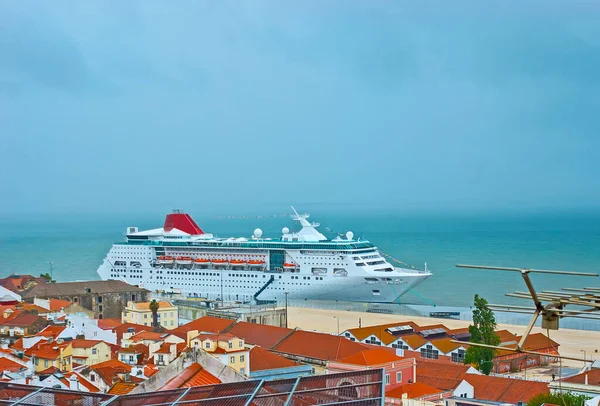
x=48, y=354
x=167, y=353
x=137, y=354
x=105, y=374
x=88, y=327
x=9, y=297
x=140, y=313
x=21, y=324
x=229, y=349
x=103, y=298
x=20, y=283
x=90, y=352
x=415, y=391
x=398, y=371
x=206, y=324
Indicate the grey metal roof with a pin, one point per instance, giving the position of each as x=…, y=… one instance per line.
x=356, y=388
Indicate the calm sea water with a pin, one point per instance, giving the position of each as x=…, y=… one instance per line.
x=77, y=244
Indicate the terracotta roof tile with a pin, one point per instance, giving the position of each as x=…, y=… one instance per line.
x=506, y=390
x=414, y=390
x=205, y=324
x=109, y=324
x=22, y=320
x=319, y=346
x=380, y=331
x=49, y=371
x=121, y=388
x=261, y=359
x=440, y=375
x=194, y=375
x=445, y=345
x=593, y=377
x=80, y=343
x=414, y=341
x=259, y=334
x=51, y=331
x=371, y=357
x=58, y=304
x=147, y=335
x=10, y=365
x=216, y=337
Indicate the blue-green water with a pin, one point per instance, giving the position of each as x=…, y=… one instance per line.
x=77, y=244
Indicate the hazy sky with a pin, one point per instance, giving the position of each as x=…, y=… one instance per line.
x=129, y=105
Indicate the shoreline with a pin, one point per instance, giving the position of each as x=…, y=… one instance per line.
x=572, y=342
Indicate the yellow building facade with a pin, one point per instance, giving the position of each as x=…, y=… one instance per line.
x=140, y=313
x=90, y=352
x=229, y=349
x=53, y=355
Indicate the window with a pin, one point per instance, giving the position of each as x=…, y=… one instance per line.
x=241, y=358
x=171, y=314
x=94, y=351
x=46, y=363
x=429, y=352
x=398, y=377
x=459, y=356
x=232, y=359
x=131, y=359
x=160, y=359
x=172, y=322
x=145, y=316
x=243, y=371
x=207, y=345
x=92, y=377
x=387, y=379
x=241, y=343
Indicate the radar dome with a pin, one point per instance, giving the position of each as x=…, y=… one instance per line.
x=350, y=235
x=257, y=233
x=285, y=230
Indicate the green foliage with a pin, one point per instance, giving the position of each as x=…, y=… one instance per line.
x=563, y=399
x=46, y=276
x=482, y=332
x=154, y=309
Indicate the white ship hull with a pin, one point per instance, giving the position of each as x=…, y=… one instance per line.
x=339, y=269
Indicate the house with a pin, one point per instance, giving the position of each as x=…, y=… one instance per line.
x=449, y=378
x=21, y=324
x=268, y=365
x=105, y=374
x=90, y=328
x=167, y=353
x=90, y=352
x=51, y=354
x=398, y=371
x=52, y=305
x=137, y=354
x=140, y=313
x=585, y=383
x=103, y=298
x=206, y=324
x=192, y=376
x=229, y=349
x=12, y=364
x=152, y=340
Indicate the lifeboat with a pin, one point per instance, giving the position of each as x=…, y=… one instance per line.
x=165, y=259
x=288, y=265
x=256, y=262
x=217, y=262
x=201, y=261
x=237, y=262
x=184, y=260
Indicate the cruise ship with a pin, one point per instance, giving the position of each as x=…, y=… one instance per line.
x=181, y=258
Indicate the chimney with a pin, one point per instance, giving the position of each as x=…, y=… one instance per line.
x=73, y=382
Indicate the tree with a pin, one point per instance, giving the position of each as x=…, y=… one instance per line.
x=564, y=399
x=154, y=309
x=482, y=332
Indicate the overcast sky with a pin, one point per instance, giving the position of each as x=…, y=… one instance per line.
x=117, y=106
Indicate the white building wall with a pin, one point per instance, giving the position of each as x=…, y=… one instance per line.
x=83, y=324
x=465, y=390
